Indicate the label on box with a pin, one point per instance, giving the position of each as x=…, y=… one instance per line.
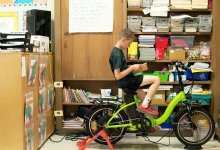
x=158, y=96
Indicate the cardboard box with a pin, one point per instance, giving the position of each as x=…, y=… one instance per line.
x=177, y=54
x=159, y=98
x=40, y=43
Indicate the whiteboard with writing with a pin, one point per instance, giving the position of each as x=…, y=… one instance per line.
x=90, y=16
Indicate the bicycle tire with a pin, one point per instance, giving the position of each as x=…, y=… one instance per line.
x=114, y=134
x=202, y=127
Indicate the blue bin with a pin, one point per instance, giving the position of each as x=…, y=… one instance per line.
x=166, y=125
x=198, y=76
x=184, y=76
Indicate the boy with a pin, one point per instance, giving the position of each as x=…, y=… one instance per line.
x=124, y=74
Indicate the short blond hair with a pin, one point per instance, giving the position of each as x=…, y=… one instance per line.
x=126, y=33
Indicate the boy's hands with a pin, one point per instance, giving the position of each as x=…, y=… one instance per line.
x=135, y=67
x=139, y=68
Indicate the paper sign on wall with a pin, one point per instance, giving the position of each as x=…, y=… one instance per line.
x=90, y=16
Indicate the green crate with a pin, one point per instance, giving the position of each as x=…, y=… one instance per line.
x=144, y=74
x=163, y=77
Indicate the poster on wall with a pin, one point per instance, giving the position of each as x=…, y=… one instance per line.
x=40, y=2
x=29, y=108
x=90, y=16
x=6, y=2
x=8, y=21
x=42, y=129
x=32, y=72
x=23, y=1
x=29, y=142
x=50, y=95
x=42, y=100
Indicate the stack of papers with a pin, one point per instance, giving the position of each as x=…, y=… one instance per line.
x=162, y=87
x=146, y=41
x=200, y=4
x=147, y=54
x=181, y=4
x=161, y=3
x=200, y=67
x=159, y=10
x=149, y=28
x=177, y=22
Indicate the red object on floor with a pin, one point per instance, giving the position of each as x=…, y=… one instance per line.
x=85, y=143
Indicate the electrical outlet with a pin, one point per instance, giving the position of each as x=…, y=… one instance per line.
x=58, y=84
x=58, y=113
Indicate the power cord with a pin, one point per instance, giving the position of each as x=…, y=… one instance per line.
x=77, y=136
x=57, y=141
x=157, y=142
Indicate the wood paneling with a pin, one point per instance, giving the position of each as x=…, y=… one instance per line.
x=215, y=58
x=85, y=55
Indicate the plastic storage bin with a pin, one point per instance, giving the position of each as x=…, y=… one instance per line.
x=163, y=77
x=182, y=41
x=146, y=3
x=202, y=99
x=148, y=21
x=134, y=23
x=198, y=76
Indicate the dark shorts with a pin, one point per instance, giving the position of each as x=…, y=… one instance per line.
x=135, y=82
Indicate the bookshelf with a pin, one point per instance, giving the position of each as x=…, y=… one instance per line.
x=12, y=94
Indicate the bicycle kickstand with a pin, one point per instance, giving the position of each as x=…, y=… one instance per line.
x=85, y=143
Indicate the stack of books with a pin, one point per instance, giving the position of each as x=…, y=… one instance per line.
x=76, y=123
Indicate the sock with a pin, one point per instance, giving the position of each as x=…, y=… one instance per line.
x=146, y=101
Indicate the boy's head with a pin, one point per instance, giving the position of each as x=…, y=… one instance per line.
x=126, y=37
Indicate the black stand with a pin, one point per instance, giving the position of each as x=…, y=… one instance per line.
x=193, y=147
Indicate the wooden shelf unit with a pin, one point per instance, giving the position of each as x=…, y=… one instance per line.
x=12, y=94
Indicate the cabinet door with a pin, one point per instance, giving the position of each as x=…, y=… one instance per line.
x=85, y=56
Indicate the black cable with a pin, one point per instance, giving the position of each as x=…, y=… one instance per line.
x=157, y=142
x=74, y=138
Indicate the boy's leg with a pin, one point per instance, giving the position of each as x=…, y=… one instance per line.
x=155, y=82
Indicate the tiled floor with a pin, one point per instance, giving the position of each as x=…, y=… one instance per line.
x=129, y=142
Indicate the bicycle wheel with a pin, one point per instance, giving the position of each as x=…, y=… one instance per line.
x=195, y=129
x=97, y=119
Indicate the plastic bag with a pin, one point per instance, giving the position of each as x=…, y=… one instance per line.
x=205, y=50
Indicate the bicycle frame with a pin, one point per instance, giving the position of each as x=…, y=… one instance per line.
x=180, y=97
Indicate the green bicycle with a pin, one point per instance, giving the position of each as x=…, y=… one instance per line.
x=192, y=126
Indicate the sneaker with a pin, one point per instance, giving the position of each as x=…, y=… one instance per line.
x=148, y=110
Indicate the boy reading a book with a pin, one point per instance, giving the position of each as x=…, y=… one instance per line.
x=125, y=75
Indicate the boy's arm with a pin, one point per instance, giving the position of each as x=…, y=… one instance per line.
x=119, y=75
